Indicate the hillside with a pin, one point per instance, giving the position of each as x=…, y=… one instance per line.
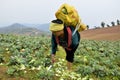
x=42, y=27
x=20, y=29
x=109, y=33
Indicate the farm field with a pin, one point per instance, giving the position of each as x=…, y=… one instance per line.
x=28, y=58
x=107, y=33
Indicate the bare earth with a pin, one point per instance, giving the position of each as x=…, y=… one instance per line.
x=109, y=33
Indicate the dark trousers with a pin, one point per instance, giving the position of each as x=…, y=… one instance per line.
x=70, y=54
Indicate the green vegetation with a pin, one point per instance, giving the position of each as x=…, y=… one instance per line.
x=28, y=58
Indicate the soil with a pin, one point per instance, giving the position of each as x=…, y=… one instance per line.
x=108, y=33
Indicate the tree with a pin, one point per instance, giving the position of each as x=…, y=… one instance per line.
x=103, y=24
x=108, y=25
x=118, y=22
x=87, y=26
x=113, y=23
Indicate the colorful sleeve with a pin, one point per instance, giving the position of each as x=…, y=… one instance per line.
x=54, y=45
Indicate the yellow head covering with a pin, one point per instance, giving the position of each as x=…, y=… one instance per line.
x=56, y=26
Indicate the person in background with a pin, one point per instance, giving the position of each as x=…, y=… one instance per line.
x=62, y=35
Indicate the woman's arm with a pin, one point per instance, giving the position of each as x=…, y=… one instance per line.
x=54, y=44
